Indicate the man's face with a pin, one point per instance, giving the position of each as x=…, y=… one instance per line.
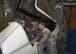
x=41, y=26
x=28, y=29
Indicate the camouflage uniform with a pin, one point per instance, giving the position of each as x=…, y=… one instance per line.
x=41, y=38
x=47, y=34
x=44, y=43
x=51, y=42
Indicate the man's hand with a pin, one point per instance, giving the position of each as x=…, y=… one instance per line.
x=35, y=43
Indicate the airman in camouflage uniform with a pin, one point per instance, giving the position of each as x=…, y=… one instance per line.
x=49, y=39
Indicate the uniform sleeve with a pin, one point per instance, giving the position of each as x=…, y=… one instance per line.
x=45, y=38
x=48, y=33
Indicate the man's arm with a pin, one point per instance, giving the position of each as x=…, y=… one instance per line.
x=43, y=40
x=45, y=37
